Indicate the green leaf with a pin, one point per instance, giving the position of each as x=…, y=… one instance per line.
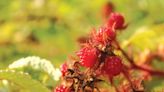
x=23, y=80
x=154, y=85
x=146, y=38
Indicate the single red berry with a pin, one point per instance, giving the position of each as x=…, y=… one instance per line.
x=107, y=9
x=104, y=35
x=63, y=69
x=88, y=56
x=116, y=20
x=100, y=36
x=112, y=66
x=110, y=33
x=61, y=88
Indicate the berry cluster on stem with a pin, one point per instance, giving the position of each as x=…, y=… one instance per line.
x=97, y=62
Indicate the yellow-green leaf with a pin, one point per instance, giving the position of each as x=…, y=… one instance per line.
x=23, y=80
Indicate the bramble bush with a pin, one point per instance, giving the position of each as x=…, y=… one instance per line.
x=102, y=64
x=98, y=61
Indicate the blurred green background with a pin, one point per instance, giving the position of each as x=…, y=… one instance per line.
x=50, y=28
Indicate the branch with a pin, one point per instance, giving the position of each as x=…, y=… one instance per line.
x=134, y=66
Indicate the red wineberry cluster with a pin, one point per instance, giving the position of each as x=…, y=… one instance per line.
x=97, y=61
x=96, y=55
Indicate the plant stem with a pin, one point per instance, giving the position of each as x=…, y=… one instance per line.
x=134, y=66
x=150, y=71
